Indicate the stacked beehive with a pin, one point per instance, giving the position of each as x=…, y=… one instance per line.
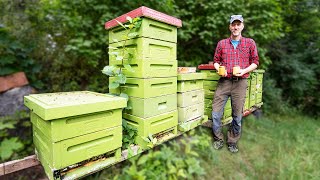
x=190, y=100
x=256, y=81
x=71, y=127
x=210, y=86
x=152, y=86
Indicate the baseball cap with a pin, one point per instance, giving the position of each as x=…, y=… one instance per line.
x=236, y=17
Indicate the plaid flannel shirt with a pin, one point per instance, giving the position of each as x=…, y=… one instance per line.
x=244, y=55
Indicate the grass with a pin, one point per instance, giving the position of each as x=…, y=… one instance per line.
x=273, y=147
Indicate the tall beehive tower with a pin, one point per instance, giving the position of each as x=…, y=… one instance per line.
x=152, y=85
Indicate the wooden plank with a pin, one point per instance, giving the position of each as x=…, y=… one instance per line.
x=17, y=165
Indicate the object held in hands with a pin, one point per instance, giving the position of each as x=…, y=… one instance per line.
x=222, y=70
x=236, y=70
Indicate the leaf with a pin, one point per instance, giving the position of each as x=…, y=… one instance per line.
x=108, y=70
x=7, y=125
x=8, y=146
x=129, y=19
x=114, y=85
x=132, y=35
x=142, y=160
x=124, y=95
x=128, y=67
x=87, y=43
x=121, y=78
x=121, y=24
x=119, y=58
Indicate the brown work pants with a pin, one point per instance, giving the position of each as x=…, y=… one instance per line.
x=236, y=90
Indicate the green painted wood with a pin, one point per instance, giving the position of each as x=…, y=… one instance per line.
x=190, y=97
x=145, y=49
x=191, y=76
x=190, y=112
x=59, y=105
x=146, y=88
x=211, y=74
x=187, y=126
x=149, y=28
x=154, y=124
x=148, y=107
x=208, y=94
x=148, y=69
x=190, y=85
x=69, y=127
x=166, y=122
x=58, y=155
x=211, y=85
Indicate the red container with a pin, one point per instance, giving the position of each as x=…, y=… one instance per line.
x=206, y=67
x=146, y=12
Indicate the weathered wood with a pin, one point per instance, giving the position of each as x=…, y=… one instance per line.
x=17, y=165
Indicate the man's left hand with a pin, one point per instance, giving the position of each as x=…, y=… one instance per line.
x=241, y=73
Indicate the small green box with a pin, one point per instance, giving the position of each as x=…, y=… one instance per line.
x=148, y=69
x=191, y=76
x=208, y=94
x=190, y=112
x=65, y=104
x=211, y=85
x=148, y=107
x=146, y=88
x=211, y=74
x=190, y=98
x=64, y=153
x=190, y=85
x=69, y=127
x=145, y=49
x=149, y=28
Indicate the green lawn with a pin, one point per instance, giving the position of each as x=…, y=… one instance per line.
x=273, y=147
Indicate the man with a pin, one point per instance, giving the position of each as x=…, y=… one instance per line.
x=230, y=52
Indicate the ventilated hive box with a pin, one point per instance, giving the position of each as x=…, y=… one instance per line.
x=259, y=75
x=149, y=28
x=146, y=88
x=147, y=107
x=190, y=81
x=190, y=98
x=190, y=112
x=165, y=122
x=71, y=127
x=211, y=75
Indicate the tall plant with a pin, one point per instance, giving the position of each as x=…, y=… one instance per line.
x=131, y=29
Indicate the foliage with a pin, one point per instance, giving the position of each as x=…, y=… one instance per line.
x=122, y=54
x=296, y=56
x=276, y=146
x=128, y=134
x=15, y=136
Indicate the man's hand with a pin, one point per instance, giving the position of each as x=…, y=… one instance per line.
x=241, y=73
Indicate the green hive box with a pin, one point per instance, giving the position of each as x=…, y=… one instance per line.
x=149, y=28
x=252, y=93
x=58, y=155
x=259, y=74
x=146, y=49
x=211, y=75
x=69, y=127
x=153, y=125
x=59, y=105
x=148, y=69
x=190, y=85
x=210, y=85
x=190, y=112
x=147, y=107
x=190, y=98
x=191, y=76
x=146, y=88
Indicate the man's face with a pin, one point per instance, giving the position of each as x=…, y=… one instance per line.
x=236, y=27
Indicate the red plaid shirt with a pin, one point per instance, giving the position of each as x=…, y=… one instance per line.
x=244, y=55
